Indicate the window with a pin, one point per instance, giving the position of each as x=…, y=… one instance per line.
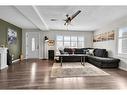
x=33, y=44
x=81, y=41
x=69, y=42
x=66, y=41
x=73, y=41
x=59, y=42
x=122, y=41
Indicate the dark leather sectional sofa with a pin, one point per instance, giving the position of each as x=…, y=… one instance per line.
x=99, y=58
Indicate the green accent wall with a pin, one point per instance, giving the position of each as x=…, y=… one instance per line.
x=14, y=49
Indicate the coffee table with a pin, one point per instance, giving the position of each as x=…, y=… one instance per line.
x=82, y=56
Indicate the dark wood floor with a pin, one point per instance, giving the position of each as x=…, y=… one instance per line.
x=35, y=74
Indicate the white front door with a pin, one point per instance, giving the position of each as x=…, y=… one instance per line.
x=32, y=45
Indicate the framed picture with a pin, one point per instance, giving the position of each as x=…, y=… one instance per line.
x=12, y=36
x=104, y=36
x=51, y=42
x=97, y=38
x=111, y=35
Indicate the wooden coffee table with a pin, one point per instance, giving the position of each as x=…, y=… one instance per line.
x=82, y=56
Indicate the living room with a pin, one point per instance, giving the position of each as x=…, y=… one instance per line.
x=38, y=29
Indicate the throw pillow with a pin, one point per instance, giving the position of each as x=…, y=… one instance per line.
x=69, y=50
x=100, y=52
x=61, y=51
x=91, y=51
x=85, y=51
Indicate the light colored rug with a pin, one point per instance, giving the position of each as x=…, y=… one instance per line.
x=75, y=70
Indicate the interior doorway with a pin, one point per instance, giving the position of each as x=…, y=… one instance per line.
x=32, y=45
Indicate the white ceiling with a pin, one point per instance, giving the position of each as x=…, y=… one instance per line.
x=38, y=17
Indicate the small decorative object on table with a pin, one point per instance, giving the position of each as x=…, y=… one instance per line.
x=73, y=50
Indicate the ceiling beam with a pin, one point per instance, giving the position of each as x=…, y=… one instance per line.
x=26, y=17
x=27, y=12
x=40, y=16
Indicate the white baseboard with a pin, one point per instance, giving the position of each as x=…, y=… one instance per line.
x=24, y=58
x=15, y=60
x=123, y=68
x=40, y=58
x=5, y=66
x=30, y=58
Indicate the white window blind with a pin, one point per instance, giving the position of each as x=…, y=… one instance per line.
x=122, y=41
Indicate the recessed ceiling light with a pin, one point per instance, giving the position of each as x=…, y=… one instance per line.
x=53, y=19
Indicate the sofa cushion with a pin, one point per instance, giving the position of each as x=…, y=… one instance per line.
x=108, y=62
x=79, y=51
x=85, y=50
x=90, y=51
x=69, y=50
x=100, y=52
x=103, y=59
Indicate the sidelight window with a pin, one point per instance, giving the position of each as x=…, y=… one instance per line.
x=33, y=44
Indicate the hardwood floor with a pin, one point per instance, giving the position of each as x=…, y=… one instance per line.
x=35, y=74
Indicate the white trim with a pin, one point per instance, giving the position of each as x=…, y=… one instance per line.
x=15, y=60
x=122, y=68
x=3, y=67
x=28, y=58
x=3, y=58
x=25, y=16
x=40, y=58
x=40, y=16
x=24, y=58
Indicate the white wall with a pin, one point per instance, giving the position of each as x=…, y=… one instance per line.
x=108, y=45
x=52, y=36
x=111, y=45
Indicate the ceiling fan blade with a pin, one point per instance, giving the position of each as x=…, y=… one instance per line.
x=68, y=19
x=65, y=23
x=74, y=15
x=64, y=19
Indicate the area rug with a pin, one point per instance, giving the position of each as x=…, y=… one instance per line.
x=75, y=70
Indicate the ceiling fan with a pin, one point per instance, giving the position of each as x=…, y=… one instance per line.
x=68, y=18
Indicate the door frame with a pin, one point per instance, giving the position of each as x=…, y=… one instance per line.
x=26, y=36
